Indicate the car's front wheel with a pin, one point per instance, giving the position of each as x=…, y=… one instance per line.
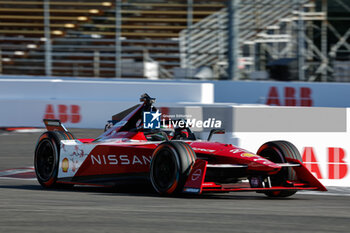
x=277, y=152
x=170, y=166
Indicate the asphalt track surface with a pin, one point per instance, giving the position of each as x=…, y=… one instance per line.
x=26, y=207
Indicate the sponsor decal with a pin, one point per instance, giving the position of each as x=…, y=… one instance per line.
x=203, y=149
x=151, y=120
x=65, y=165
x=263, y=160
x=76, y=153
x=65, y=113
x=234, y=151
x=249, y=155
x=191, y=190
x=290, y=97
x=255, y=182
x=196, y=174
x=337, y=165
x=120, y=159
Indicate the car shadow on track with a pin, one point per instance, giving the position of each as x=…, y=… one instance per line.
x=21, y=187
x=149, y=192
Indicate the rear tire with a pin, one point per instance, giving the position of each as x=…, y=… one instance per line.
x=277, y=152
x=46, y=158
x=170, y=167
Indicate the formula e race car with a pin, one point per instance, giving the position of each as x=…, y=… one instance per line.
x=171, y=160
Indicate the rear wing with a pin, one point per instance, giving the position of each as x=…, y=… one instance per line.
x=54, y=125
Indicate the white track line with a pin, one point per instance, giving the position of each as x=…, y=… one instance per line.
x=4, y=174
x=14, y=178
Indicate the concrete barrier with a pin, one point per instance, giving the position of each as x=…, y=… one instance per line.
x=308, y=94
x=86, y=103
x=119, y=91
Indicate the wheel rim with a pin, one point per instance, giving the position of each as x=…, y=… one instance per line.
x=45, y=160
x=164, y=170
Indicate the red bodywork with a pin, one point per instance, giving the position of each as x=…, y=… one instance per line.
x=123, y=154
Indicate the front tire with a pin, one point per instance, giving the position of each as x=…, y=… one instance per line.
x=170, y=167
x=277, y=152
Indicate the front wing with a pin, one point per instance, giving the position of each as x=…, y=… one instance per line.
x=196, y=181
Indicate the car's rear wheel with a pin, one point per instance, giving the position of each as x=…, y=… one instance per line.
x=46, y=158
x=277, y=152
x=170, y=166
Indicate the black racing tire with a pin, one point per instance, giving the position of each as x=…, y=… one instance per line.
x=46, y=158
x=277, y=152
x=171, y=164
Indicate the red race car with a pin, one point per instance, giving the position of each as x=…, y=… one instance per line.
x=133, y=151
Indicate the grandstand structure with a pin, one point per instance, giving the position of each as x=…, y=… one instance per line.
x=166, y=39
x=83, y=36
x=273, y=33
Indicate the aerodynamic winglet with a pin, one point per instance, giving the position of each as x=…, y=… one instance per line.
x=54, y=125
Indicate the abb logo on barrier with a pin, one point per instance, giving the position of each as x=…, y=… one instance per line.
x=290, y=99
x=65, y=113
x=337, y=167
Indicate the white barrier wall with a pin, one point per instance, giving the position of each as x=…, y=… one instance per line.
x=283, y=93
x=83, y=103
x=119, y=91
x=244, y=92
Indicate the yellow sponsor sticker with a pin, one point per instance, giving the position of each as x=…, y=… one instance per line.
x=249, y=155
x=65, y=165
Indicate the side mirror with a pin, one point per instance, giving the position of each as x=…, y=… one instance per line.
x=215, y=131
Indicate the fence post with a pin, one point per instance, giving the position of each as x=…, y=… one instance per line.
x=301, y=41
x=118, y=35
x=233, y=37
x=47, y=36
x=189, y=72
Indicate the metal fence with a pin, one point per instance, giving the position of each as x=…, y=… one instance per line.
x=305, y=40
